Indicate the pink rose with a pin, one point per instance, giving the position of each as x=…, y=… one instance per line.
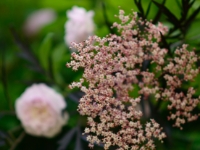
x=40, y=110
x=79, y=26
x=38, y=19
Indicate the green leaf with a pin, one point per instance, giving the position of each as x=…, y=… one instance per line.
x=44, y=51
x=191, y=3
x=134, y=93
x=8, y=122
x=59, y=55
x=65, y=4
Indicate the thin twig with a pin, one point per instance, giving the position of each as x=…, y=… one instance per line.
x=10, y=132
x=18, y=140
x=9, y=140
x=5, y=112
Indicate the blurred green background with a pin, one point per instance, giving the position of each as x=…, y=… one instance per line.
x=42, y=58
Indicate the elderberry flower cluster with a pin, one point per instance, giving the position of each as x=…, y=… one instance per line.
x=113, y=65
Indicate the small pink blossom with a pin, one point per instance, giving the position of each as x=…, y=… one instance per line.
x=40, y=110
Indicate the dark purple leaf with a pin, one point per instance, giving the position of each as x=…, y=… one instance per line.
x=171, y=17
x=108, y=23
x=78, y=140
x=2, y=135
x=63, y=143
x=192, y=17
x=76, y=96
x=186, y=5
x=157, y=17
x=2, y=138
x=165, y=44
x=148, y=9
x=139, y=6
x=27, y=54
x=2, y=143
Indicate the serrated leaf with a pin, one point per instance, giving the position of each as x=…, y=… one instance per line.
x=64, y=142
x=44, y=51
x=168, y=13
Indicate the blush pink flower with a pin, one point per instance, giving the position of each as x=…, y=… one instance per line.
x=38, y=19
x=79, y=26
x=39, y=109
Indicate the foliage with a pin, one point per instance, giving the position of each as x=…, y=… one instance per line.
x=42, y=58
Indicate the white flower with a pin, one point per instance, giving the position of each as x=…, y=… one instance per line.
x=38, y=20
x=79, y=26
x=40, y=110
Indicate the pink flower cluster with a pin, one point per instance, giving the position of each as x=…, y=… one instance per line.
x=113, y=65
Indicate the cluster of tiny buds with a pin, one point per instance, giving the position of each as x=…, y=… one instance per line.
x=181, y=68
x=136, y=137
x=113, y=65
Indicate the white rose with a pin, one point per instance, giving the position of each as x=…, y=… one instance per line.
x=40, y=110
x=38, y=20
x=79, y=26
